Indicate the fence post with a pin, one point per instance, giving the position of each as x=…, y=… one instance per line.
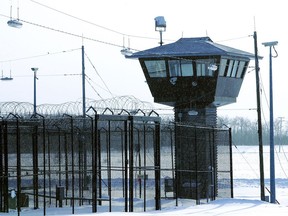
x=94, y=132
x=231, y=162
x=126, y=164
x=157, y=167
x=4, y=174
x=18, y=161
x=72, y=161
x=131, y=163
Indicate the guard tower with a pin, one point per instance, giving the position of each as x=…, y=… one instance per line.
x=195, y=76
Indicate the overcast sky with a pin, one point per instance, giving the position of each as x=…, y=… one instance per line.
x=50, y=39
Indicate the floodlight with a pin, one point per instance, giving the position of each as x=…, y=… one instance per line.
x=6, y=78
x=34, y=69
x=126, y=52
x=272, y=43
x=160, y=24
x=14, y=23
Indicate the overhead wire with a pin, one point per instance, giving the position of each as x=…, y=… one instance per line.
x=51, y=75
x=92, y=23
x=89, y=38
x=107, y=43
x=97, y=73
x=95, y=40
x=100, y=41
x=77, y=18
x=108, y=29
x=88, y=80
x=72, y=34
x=92, y=39
x=115, y=31
x=69, y=33
x=245, y=159
x=38, y=56
x=230, y=39
x=89, y=22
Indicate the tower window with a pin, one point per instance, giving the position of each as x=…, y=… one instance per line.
x=156, y=68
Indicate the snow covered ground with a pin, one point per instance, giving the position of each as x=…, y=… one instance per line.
x=219, y=207
x=246, y=199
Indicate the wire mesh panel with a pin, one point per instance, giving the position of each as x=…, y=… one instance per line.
x=224, y=172
x=202, y=162
x=111, y=162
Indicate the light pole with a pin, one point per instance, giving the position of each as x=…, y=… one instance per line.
x=160, y=25
x=35, y=77
x=272, y=160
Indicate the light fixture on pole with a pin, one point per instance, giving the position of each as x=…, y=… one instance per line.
x=6, y=78
x=126, y=51
x=35, y=77
x=160, y=25
x=15, y=23
x=272, y=159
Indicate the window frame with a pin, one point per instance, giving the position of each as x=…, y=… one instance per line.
x=160, y=69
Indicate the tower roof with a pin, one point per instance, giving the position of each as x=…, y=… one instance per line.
x=200, y=46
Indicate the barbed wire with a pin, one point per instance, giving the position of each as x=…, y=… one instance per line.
x=128, y=102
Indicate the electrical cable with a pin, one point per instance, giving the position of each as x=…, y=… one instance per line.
x=280, y=163
x=98, y=73
x=91, y=81
x=88, y=39
x=237, y=38
x=96, y=40
x=40, y=55
x=69, y=33
x=76, y=35
x=77, y=18
x=51, y=75
x=100, y=41
x=93, y=88
x=91, y=23
x=275, y=52
x=115, y=31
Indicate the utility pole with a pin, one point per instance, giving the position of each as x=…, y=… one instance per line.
x=261, y=163
x=83, y=84
x=84, y=120
x=272, y=157
x=35, y=90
